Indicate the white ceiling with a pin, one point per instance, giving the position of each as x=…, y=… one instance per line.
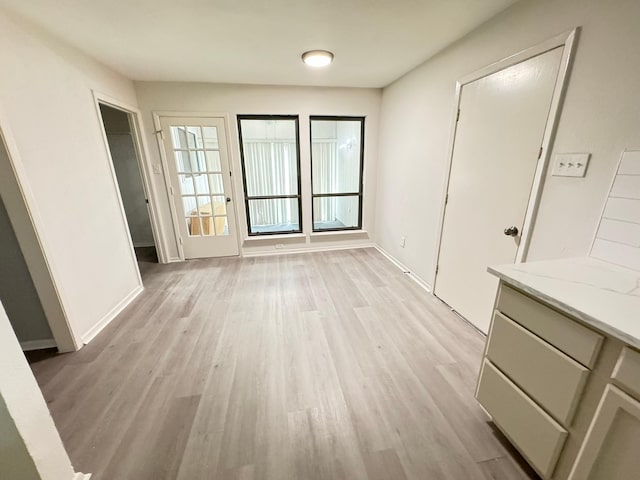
x=259, y=41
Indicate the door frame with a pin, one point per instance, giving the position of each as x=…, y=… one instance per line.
x=143, y=165
x=157, y=116
x=33, y=243
x=568, y=40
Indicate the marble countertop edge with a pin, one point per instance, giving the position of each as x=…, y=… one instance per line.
x=601, y=295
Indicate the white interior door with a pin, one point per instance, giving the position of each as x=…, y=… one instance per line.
x=198, y=161
x=498, y=138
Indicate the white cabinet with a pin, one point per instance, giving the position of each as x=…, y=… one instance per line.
x=611, y=450
x=561, y=370
x=565, y=394
x=537, y=363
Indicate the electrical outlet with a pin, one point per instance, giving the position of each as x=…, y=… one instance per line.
x=570, y=164
x=279, y=245
x=403, y=241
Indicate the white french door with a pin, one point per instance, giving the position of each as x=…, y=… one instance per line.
x=200, y=177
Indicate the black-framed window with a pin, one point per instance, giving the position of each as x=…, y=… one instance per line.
x=337, y=162
x=270, y=154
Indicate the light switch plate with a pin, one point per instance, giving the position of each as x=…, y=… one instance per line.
x=570, y=164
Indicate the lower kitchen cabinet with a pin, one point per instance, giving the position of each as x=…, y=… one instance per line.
x=567, y=395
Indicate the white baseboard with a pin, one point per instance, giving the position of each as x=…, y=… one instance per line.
x=144, y=244
x=82, y=476
x=38, y=344
x=113, y=313
x=426, y=285
x=291, y=251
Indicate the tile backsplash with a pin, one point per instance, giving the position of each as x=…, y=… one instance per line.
x=618, y=237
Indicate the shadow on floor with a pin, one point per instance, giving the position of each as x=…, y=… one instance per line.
x=35, y=356
x=147, y=254
x=514, y=455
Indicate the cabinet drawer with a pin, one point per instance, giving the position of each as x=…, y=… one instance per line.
x=577, y=341
x=538, y=437
x=547, y=375
x=627, y=371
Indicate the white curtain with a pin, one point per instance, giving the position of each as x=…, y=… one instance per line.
x=271, y=169
x=325, y=179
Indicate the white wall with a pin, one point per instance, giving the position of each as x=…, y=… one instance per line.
x=15, y=197
x=46, y=95
x=30, y=446
x=601, y=115
x=249, y=99
x=125, y=163
x=17, y=291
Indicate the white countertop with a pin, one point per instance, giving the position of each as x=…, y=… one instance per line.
x=600, y=294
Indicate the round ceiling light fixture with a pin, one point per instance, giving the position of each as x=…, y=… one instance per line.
x=317, y=58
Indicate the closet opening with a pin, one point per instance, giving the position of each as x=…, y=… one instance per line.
x=126, y=158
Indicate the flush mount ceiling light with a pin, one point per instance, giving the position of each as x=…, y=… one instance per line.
x=317, y=58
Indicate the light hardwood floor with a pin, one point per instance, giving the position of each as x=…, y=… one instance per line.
x=314, y=366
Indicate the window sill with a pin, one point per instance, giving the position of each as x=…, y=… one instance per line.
x=330, y=233
x=284, y=236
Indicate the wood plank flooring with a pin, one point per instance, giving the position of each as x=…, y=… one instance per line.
x=313, y=366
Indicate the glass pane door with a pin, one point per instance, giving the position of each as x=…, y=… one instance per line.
x=197, y=157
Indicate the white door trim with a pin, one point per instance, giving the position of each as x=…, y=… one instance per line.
x=568, y=40
x=157, y=116
x=143, y=164
x=43, y=269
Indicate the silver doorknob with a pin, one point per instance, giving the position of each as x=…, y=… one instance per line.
x=511, y=231
x=228, y=199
